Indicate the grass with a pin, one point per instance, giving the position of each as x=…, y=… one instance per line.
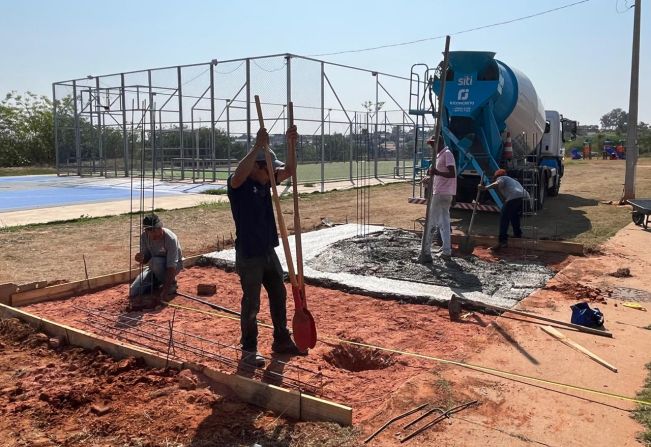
x=643, y=413
x=27, y=170
x=215, y=192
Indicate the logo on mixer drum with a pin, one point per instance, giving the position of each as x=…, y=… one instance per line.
x=463, y=94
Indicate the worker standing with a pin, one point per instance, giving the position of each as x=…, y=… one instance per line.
x=256, y=262
x=514, y=195
x=444, y=187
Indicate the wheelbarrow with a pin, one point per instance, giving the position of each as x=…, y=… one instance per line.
x=641, y=212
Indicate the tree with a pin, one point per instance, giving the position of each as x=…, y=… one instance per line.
x=26, y=131
x=616, y=120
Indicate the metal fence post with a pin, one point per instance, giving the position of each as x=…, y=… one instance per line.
x=376, y=146
x=125, y=141
x=181, y=131
x=212, y=120
x=248, y=103
x=77, y=142
x=55, y=124
x=322, y=127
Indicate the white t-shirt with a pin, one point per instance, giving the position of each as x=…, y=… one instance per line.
x=444, y=185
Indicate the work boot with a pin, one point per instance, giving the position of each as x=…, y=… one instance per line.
x=445, y=256
x=424, y=259
x=286, y=347
x=253, y=358
x=498, y=247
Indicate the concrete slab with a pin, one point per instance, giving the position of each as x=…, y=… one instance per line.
x=316, y=242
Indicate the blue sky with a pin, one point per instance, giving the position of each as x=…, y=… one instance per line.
x=577, y=58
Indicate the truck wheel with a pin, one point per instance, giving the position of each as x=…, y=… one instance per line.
x=542, y=193
x=553, y=191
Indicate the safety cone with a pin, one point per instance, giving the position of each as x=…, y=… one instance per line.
x=508, y=148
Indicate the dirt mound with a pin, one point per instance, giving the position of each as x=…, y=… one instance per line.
x=14, y=330
x=356, y=358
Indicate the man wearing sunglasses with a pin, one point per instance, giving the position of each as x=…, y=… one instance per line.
x=160, y=250
x=257, y=236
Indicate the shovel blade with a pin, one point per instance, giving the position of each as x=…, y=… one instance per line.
x=304, y=329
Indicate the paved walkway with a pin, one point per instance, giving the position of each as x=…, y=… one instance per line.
x=168, y=196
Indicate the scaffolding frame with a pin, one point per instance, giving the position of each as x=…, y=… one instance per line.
x=197, y=119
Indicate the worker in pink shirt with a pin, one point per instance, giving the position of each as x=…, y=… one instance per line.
x=444, y=188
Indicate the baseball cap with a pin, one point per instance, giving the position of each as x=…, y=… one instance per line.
x=151, y=221
x=500, y=173
x=274, y=160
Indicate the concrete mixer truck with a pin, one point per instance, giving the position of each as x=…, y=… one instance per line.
x=493, y=118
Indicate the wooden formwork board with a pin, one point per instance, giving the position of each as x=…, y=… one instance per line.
x=69, y=289
x=283, y=401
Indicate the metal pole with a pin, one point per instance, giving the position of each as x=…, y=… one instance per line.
x=631, y=135
x=152, y=129
x=212, y=120
x=77, y=142
x=228, y=134
x=376, y=146
x=181, y=132
x=102, y=162
x=125, y=141
x=288, y=58
x=92, y=125
x=322, y=127
x=248, y=103
x=437, y=131
x=55, y=119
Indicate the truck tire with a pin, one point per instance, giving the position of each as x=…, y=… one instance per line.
x=542, y=193
x=553, y=191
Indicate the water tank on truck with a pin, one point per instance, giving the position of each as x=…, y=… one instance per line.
x=485, y=100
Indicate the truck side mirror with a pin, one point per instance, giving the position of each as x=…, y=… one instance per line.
x=547, y=127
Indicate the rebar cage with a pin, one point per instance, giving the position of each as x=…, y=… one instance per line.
x=194, y=122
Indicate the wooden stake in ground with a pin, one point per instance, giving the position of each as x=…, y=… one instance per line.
x=574, y=345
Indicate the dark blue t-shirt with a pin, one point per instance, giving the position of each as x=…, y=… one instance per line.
x=255, y=226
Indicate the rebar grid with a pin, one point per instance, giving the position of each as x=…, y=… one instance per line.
x=167, y=340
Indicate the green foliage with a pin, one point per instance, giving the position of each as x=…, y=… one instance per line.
x=616, y=120
x=26, y=130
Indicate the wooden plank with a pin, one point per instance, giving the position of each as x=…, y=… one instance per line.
x=6, y=290
x=32, y=286
x=570, y=248
x=69, y=289
x=287, y=402
x=478, y=304
x=574, y=345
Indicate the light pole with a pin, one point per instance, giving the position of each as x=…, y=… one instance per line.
x=631, y=135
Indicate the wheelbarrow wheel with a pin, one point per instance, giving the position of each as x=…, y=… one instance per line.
x=638, y=218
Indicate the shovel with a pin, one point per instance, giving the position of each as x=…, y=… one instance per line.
x=303, y=325
x=311, y=342
x=467, y=246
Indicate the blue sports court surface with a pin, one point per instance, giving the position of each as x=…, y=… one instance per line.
x=43, y=191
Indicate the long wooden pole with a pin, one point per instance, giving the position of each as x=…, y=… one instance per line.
x=574, y=345
x=276, y=200
x=538, y=317
x=428, y=225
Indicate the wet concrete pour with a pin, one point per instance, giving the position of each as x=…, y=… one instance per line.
x=381, y=263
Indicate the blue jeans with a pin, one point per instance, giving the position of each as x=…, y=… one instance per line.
x=254, y=273
x=152, y=277
x=510, y=215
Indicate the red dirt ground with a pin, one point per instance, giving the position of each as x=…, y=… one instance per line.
x=417, y=328
x=73, y=397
